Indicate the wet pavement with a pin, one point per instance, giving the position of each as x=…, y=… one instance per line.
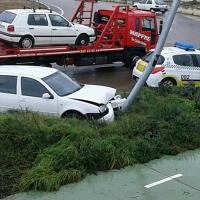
x=171, y=177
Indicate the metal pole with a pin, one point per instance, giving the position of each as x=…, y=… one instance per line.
x=138, y=86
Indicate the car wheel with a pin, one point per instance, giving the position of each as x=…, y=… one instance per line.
x=152, y=10
x=134, y=58
x=136, y=8
x=168, y=82
x=82, y=39
x=73, y=114
x=26, y=42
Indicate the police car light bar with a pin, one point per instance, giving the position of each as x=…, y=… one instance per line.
x=187, y=47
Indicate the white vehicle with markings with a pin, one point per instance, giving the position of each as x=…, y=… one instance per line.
x=176, y=65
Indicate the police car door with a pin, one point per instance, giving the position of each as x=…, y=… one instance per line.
x=185, y=69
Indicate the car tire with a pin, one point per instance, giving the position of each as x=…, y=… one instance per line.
x=168, y=82
x=152, y=10
x=136, y=8
x=26, y=42
x=73, y=114
x=134, y=58
x=82, y=40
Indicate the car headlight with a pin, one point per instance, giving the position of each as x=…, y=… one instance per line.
x=103, y=108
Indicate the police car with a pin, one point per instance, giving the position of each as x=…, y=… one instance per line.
x=176, y=65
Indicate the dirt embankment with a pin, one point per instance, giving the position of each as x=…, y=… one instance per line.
x=11, y=4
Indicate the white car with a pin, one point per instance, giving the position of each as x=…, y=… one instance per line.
x=51, y=92
x=176, y=65
x=28, y=27
x=152, y=5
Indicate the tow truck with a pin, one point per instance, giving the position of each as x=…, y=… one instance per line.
x=123, y=34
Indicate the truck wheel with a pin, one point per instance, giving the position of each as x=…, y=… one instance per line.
x=168, y=82
x=82, y=40
x=26, y=42
x=134, y=58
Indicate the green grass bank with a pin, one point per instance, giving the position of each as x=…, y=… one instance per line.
x=43, y=153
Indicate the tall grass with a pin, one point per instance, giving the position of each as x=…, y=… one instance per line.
x=43, y=153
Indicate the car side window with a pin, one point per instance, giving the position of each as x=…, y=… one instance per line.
x=8, y=84
x=149, y=2
x=198, y=59
x=183, y=60
x=31, y=87
x=57, y=20
x=37, y=20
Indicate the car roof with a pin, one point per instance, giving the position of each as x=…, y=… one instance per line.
x=37, y=71
x=177, y=50
x=18, y=11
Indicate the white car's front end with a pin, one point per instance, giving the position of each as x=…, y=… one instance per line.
x=154, y=78
x=85, y=29
x=93, y=102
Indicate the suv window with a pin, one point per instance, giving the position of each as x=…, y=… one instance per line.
x=33, y=88
x=8, y=84
x=147, y=58
x=37, y=20
x=7, y=17
x=184, y=60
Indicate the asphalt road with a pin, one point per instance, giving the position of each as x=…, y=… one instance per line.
x=184, y=29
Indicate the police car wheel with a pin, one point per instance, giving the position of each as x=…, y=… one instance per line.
x=168, y=82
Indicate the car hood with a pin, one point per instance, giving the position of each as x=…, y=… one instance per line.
x=94, y=93
x=81, y=26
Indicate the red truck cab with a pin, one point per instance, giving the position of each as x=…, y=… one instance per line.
x=138, y=28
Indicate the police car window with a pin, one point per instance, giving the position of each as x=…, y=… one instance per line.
x=184, y=60
x=147, y=58
x=8, y=84
x=148, y=24
x=198, y=59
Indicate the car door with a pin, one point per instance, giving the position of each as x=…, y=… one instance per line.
x=62, y=30
x=148, y=5
x=31, y=98
x=141, y=4
x=185, y=69
x=8, y=92
x=38, y=26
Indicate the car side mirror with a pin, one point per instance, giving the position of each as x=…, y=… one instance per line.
x=46, y=96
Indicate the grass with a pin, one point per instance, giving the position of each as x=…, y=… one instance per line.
x=11, y=4
x=43, y=153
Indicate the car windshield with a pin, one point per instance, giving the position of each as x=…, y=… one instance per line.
x=7, y=17
x=62, y=84
x=159, y=2
x=147, y=58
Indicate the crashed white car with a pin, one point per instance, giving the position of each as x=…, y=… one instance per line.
x=51, y=92
x=28, y=27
